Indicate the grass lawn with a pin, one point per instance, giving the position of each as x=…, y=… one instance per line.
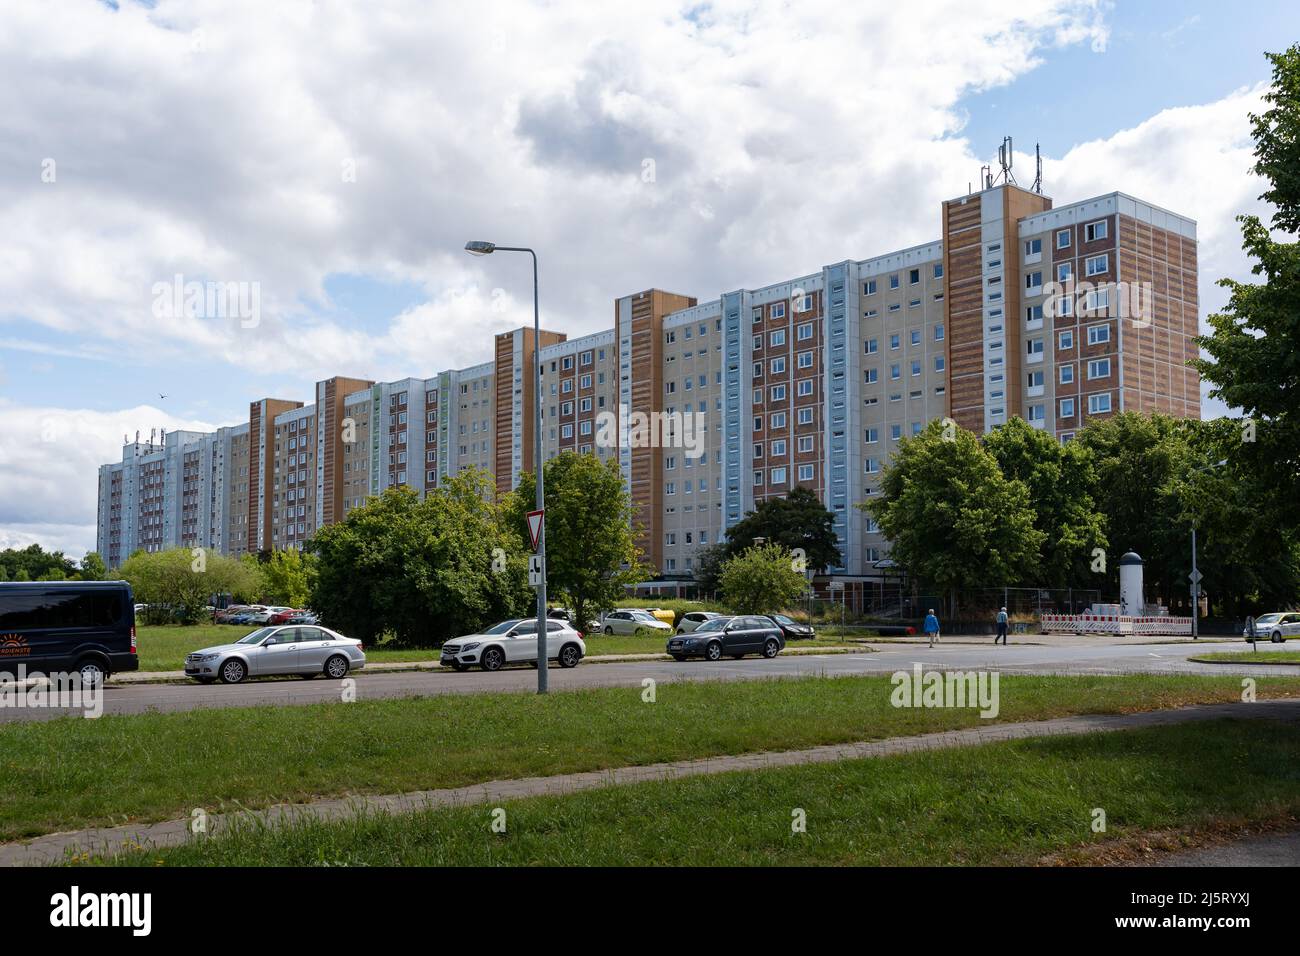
x=1251, y=657
x=70, y=773
x=1009, y=803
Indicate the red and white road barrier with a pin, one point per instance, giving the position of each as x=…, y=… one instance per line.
x=1115, y=624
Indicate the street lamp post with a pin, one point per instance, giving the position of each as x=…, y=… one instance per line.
x=1196, y=575
x=479, y=248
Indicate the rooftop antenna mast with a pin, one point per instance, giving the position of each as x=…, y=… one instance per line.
x=1005, y=159
x=1038, y=165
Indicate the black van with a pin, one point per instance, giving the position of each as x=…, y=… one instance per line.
x=59, y=626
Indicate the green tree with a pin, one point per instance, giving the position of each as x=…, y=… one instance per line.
x=592, y=554
x=797, y=520
x=762, y=580
x=92, y=567
x=34, y=563
x=180, y=582
x=422, y=571
x=952, y=519
x=1253, y=362
x=286, y=577
x=1249, y=558
x=709, y=560
x=1137, y=458
x=1060, y=479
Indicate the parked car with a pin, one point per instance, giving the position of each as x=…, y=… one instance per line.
x=659, y=614
x=792, y=629
x=87, y=627
x=693, y=619
x=729, y=637
x=264, y=615
x=283, y=616
x=1277, y=627
x=630, y=621
x=305, y=651
x=514, y=642
x=304, y=617
x=246, y=615
x=222, y=615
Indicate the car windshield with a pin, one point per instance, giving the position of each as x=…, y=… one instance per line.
x=782, y=619
x=256, y=637
x=714, y=624
x=642, y=616
x=502, y=627
x=1268, y=618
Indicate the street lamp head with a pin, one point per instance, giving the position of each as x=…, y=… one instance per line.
x=478, y=247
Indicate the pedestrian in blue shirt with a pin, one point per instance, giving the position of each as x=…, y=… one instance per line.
x=1002, y=627
x=932, y=627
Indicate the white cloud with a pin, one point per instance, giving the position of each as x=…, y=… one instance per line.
x=49, y=463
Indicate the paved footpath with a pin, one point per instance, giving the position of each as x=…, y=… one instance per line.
x=55, y=847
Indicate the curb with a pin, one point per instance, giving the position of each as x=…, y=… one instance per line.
x=1204, y=660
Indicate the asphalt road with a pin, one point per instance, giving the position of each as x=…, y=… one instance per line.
x=1114, y=659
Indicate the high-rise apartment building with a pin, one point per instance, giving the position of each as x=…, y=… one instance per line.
x=1058, y=314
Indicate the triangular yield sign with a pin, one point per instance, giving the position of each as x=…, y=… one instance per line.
x=535, y=526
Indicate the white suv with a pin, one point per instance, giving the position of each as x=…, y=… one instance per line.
x=514, y=642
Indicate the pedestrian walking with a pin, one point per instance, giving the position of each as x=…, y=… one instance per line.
x=1002, y=627
x=932, y=627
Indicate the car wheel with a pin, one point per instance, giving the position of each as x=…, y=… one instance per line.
x=92, y=672
x=492, y=659
x=609, y=630
x=570, y=655
x=1277, y=638
x=233, y=671
x=337, y=667
x=714, y=651
x=771, y=648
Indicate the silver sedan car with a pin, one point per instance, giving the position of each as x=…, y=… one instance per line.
x=287, y=649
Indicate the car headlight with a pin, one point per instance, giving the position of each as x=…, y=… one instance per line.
x=470, y=647
x=206, y=657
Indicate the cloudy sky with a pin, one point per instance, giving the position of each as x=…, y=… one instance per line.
x=335, y=156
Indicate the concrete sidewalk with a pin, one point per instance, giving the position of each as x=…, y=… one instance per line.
x=107, y=840
x=178, y=677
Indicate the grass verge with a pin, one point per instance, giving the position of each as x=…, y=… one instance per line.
x=71, y=773
x=1250, y=657
x=1012, y=803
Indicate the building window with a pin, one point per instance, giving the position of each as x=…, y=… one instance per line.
x=1096, y=265
x=1066, y=375
x=1099, y=368
x=1067, y=408
x=1094, y=231
x=1098, y=334
x=1099, y=404
x=1063, y=239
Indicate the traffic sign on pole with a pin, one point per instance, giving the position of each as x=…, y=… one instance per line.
x=535, y=526
x=534, y=569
